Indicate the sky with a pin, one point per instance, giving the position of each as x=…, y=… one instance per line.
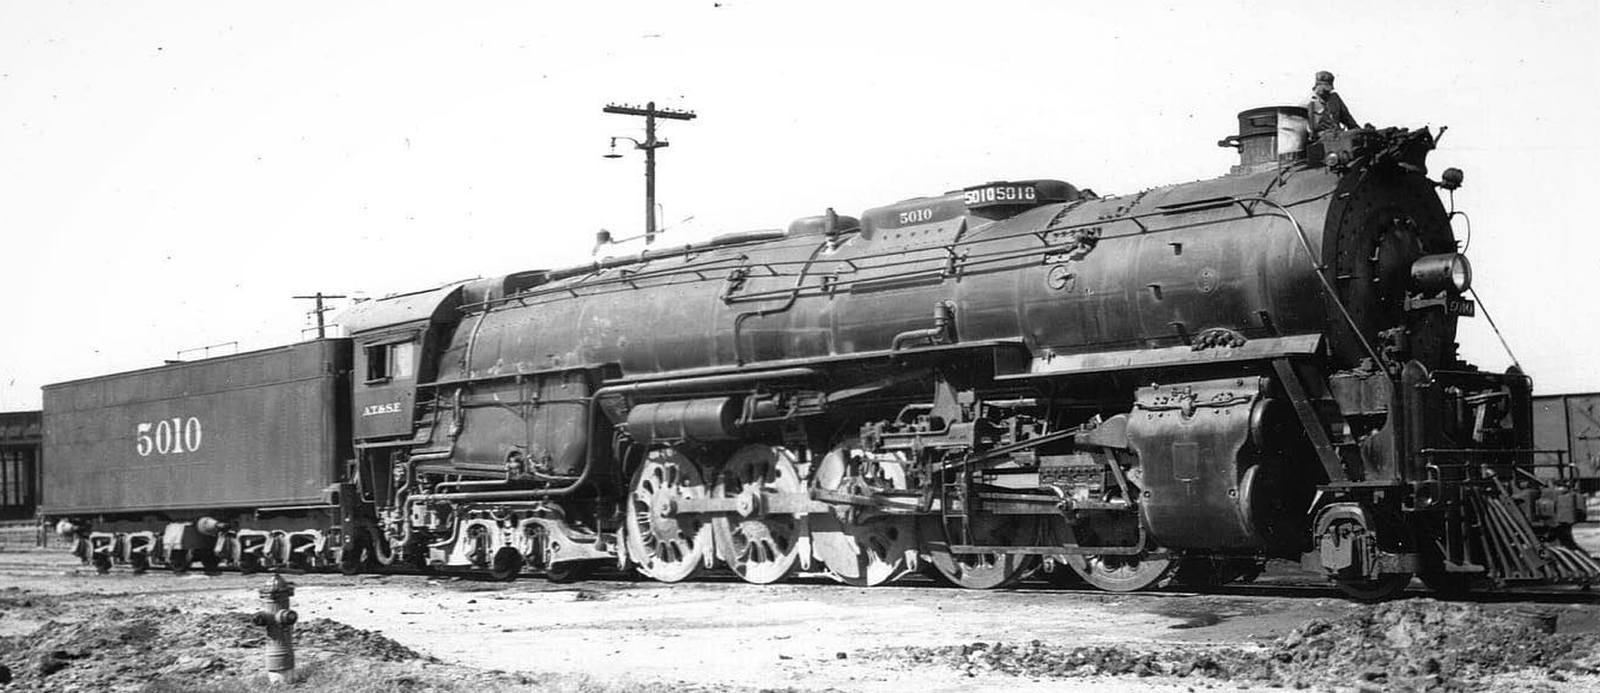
x=172, y=173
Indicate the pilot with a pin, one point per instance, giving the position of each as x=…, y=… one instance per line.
x=1326, y=109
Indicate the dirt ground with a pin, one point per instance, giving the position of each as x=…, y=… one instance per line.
x=63, y=628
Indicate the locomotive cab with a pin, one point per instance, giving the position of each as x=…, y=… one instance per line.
x=392, y=334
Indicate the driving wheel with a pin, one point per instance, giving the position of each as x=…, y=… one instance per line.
x=758, y=546
x=982, y=571
x=1123, y=573
x=859, y=545
x=662, y=544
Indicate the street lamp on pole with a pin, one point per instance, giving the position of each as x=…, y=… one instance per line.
x=649, y=145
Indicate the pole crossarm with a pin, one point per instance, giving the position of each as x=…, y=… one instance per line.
x=649, y=110
x=319, y=297
x=650, y=144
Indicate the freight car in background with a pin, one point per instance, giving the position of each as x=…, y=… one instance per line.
x=235, y=459
x=19, y=465
x=19, y=478
x=1013, y=376
x=1571, y=424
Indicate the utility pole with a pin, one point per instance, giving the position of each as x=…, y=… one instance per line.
x=322, y=325
x=649, y=145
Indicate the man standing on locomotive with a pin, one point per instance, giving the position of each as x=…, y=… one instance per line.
x=1326, y=110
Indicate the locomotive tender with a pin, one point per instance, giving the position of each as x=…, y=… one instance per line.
x=1012, y=376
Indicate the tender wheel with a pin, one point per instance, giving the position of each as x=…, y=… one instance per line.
x=983, y=571
x=1385, y=587
x=662, y=544
x=101, y=563
x=139, y=563
x=759, y=547
x=208, y=560
x=249, y=563
x=860, y=546
x=1122, y=573
x=179, y=560
x=506, y=564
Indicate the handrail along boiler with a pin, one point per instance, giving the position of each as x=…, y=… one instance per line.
x=1179, y=383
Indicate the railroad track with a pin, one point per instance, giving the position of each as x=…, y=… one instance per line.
x=1273, y=584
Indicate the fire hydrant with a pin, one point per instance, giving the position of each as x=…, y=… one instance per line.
x=279, y=620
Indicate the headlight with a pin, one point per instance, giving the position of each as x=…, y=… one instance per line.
x=1461, y=273
x=1431, y=274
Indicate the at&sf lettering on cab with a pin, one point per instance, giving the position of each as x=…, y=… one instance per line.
x=1015, y=377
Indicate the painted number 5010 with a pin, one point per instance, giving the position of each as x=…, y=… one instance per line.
x=173, y=436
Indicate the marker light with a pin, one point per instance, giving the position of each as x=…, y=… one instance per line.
x=1451, y=179
x=1431, y=274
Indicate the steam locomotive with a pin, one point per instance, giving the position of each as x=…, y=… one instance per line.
x=1009, y=377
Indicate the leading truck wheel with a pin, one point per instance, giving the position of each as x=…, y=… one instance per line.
x=1452, y=585
x=1205, y=571
x=1385, y=587
x=101, y=563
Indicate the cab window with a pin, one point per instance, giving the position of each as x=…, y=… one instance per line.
x=389, y=361
x=402, y=359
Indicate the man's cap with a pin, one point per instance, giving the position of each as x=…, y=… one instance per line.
x=1325, y=77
